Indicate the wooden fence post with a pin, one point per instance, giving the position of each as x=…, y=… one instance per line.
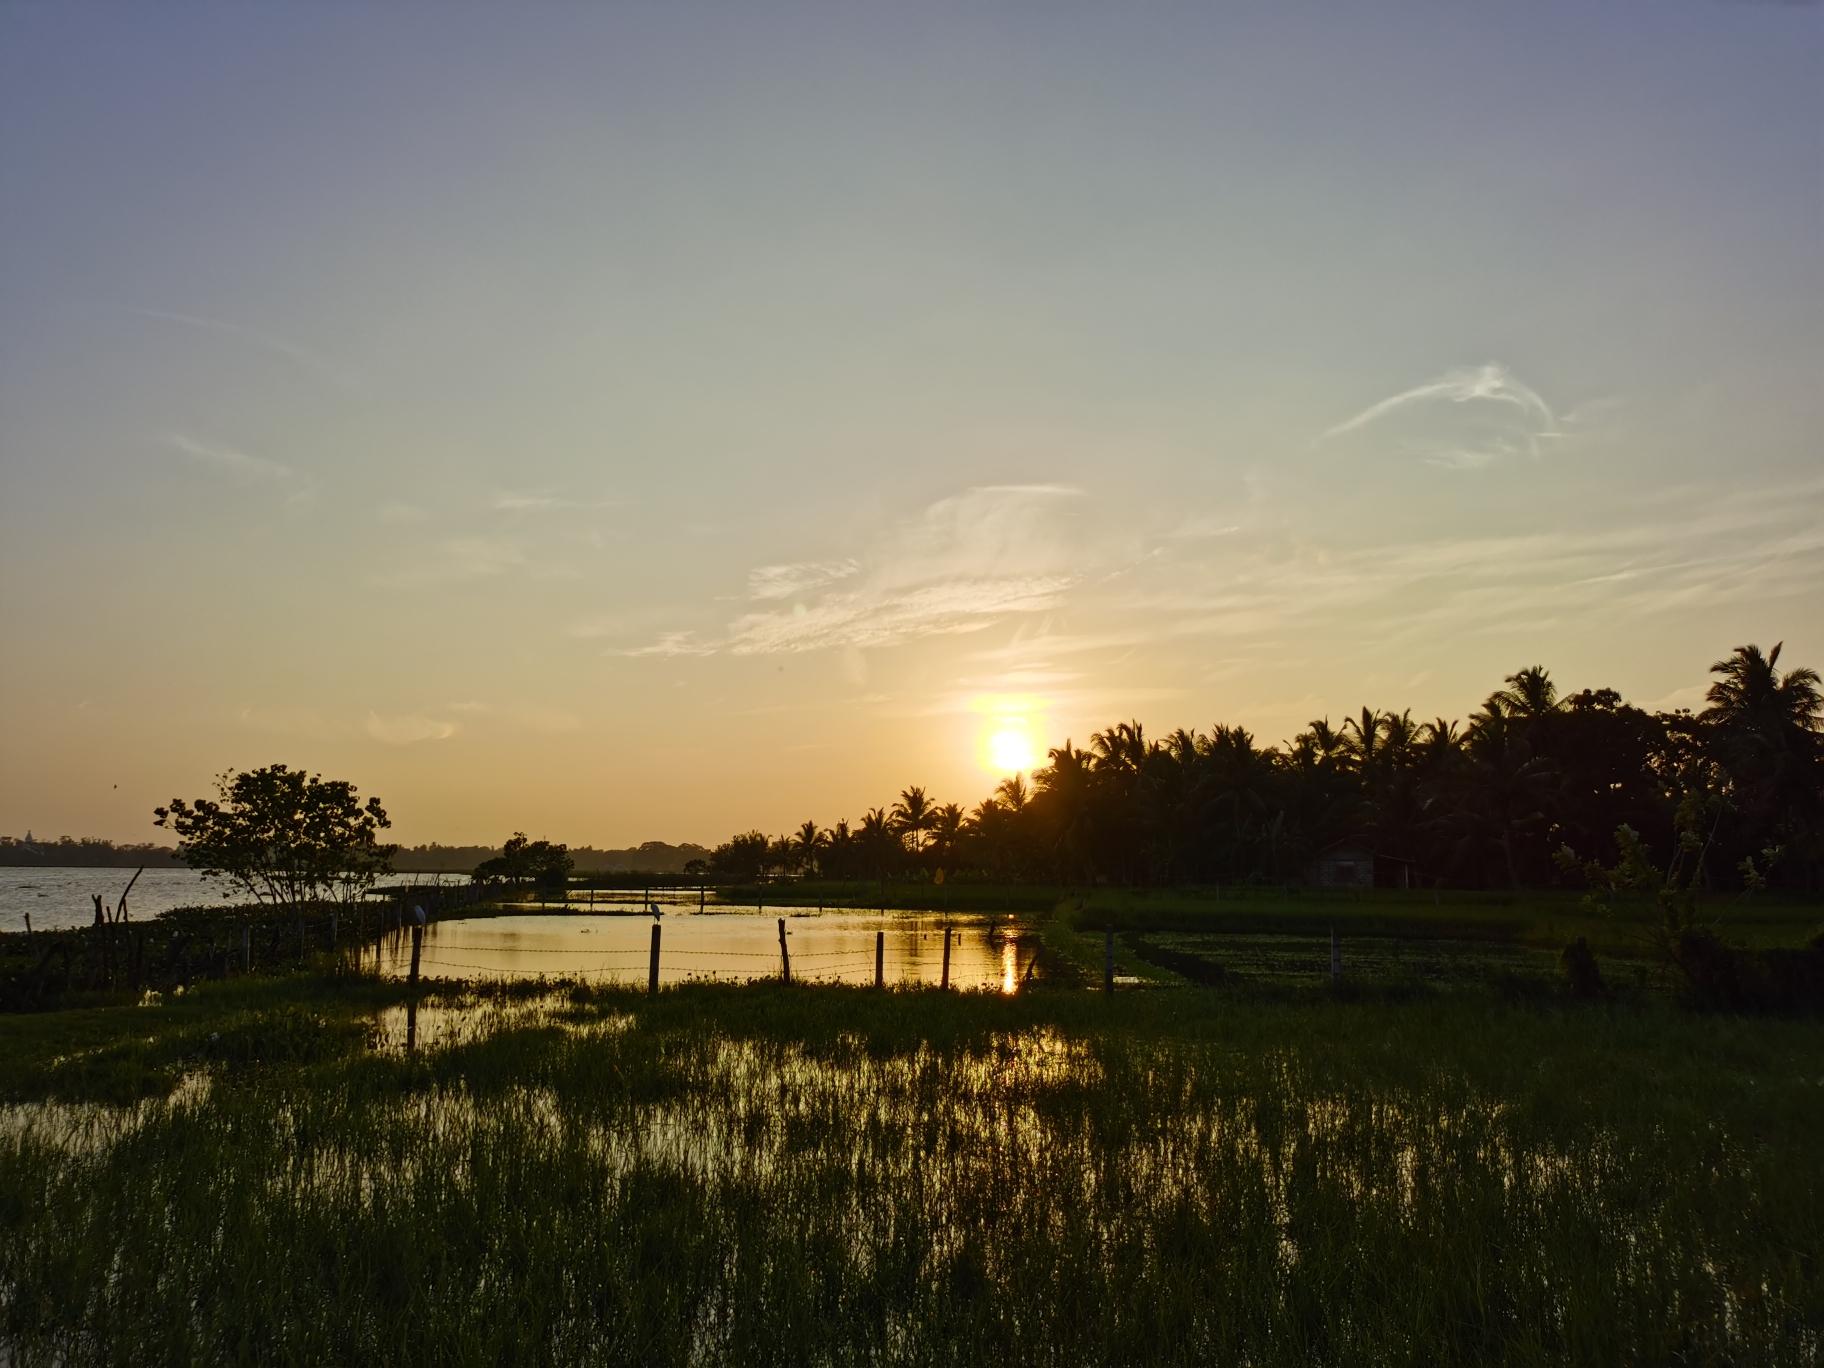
x=652, y=971
x=945, y=981
x=1108, y=961
x=880, y=959
x=417, y=941
x=785, y=956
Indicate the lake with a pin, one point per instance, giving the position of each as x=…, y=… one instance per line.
x=58, y=896
x=725, y=945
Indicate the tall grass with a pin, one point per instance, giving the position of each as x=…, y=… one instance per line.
x=790, y=1175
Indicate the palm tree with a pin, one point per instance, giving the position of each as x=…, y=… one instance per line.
x=1767, y=735
x=839, y=851
x=807, y=844
x=1437, y=742
x=1063, y=804
x=1753, y=694
x=1012, y=793
x=1122, y=748
x=1530, y=694
x=1500, y=794
x=912, y=816
x=946, y=831
x=878, y=841
x=1362, y=746
x=993, y=830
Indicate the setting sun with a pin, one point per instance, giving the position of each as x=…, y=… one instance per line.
x=1010, y=736
x=1010, y=751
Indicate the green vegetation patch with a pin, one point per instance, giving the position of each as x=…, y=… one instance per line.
x=818, y=1175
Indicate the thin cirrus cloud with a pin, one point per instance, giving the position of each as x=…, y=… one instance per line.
x=225, y=460
x=790, y=581
x=510, y=501
x=456, y=560
x=1700, y=551
x=1466, y=418
x=264, y=340
x=967, y=562
x=407, y=729
x=871, y=618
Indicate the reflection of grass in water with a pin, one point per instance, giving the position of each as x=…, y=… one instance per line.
x=768, y=1174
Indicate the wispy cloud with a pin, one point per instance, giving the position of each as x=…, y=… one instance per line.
x=408, y=729
x=1465, y=418
x=456, y=560
x=673, y=644
x=871, y=618
x=790, y=581
x=542, y=501
x=965, y=563
x=1708, y=552
x=230, y=462
x=1697, y=550
x=265, y=340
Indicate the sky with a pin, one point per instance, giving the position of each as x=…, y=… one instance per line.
x=634, y=422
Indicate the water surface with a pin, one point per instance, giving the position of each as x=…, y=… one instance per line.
x=59, y=896
x=726, y=945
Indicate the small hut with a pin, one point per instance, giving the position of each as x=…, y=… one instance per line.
x=1354, y=863
x=1349, y=863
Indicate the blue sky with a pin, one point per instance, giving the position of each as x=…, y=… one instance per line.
x=640, y=422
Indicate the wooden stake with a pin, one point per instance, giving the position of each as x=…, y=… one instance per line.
x=945, y=981
x=652, y=970
x=785, y=956
x=880, y=959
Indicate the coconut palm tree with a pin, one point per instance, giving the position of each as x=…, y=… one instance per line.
x=1766, y=728
x=1361, y=738
x=946, y=832
x=912, y=817
x=992, y=832
x=1121, y=749
x=1530, y=694
x=879, y=844
x=1498, y=795
x=1752, y=695
x=1065, y=792
x=808, y=843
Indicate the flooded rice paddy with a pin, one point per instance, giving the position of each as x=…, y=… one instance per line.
x=712, y=1177
x=720, y=945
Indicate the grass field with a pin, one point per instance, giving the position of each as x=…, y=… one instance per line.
x=257, y=1170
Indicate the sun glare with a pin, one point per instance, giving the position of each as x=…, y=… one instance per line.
x=1010, y=751
x=1011, y=736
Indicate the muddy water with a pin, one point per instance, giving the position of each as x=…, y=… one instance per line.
x=829, y=947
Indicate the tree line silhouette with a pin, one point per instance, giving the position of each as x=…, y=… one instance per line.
x=1496, y=802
